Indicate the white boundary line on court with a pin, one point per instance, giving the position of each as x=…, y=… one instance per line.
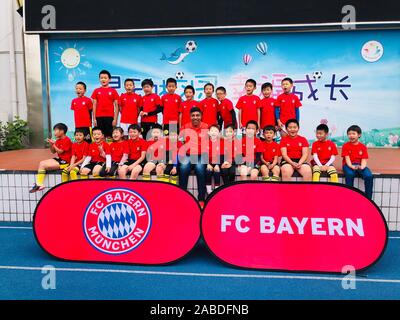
x=192, y=274
x=16, y=228
x=4, y=227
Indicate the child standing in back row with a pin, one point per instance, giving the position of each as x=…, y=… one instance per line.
x=151, y=106
x=227, y=115
x=249, y=105
x=267, y=106
x=209, y=106
x=171, y=103
x=105, y=105
x=287, y=105
x=129, y=105
x=186, y=106
x=82, y=107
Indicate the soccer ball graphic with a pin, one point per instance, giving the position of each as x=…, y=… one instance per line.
x=179, y=75
x=317, y=75
x=191, y=46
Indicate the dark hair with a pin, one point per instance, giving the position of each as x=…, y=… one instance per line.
x=189, y=87
x=269, y=128
x=129, y=80
x=147, y=82
x=209, y=84
x=287, y=79
x=323, y=127
x=61, y=126
x=230, y=126
x=214, y=126
x=134, y=127
x=105, y=72
x=251, y=81
x=171, y=80
x=292, y=121
x=355, y=128
x=252, y=122
x=266, y=85
x=156, y=126
x=97, y=129
x=221, y=89
x=119, y=129
x=79, y=130
x=195, y=109
x=81, y=83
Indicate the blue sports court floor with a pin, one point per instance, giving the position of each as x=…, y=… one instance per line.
x=198, y=276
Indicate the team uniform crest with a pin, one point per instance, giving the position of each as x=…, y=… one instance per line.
x=117, y=221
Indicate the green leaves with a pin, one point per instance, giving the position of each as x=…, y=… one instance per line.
x=13, y=135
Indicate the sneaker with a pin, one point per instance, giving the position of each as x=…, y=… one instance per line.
x=209, y=189
x=36, y=188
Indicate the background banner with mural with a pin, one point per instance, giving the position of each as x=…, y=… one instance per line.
x=342, y=78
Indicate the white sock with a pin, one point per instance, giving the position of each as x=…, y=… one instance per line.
x=209, y=189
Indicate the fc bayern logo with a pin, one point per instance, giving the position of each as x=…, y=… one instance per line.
x=117, y=221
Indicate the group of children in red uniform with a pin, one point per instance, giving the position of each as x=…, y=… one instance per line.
x=144, y=146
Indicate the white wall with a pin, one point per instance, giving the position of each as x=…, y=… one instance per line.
x=12, y=83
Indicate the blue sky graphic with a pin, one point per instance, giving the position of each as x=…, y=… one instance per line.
x=373, y=98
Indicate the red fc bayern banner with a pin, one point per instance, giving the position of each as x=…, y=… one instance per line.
x=319, y=227
x=117, y=221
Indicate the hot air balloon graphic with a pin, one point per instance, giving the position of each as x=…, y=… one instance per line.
x=262, y=48
x=247, y=59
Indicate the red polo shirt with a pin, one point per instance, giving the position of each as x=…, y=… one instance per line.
x=249, y=106
x=209, y=107
x=130, y=104
x=185, y=108
x=193, y=143
x=105, y=98
x=81, y=107
x=171, y=104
